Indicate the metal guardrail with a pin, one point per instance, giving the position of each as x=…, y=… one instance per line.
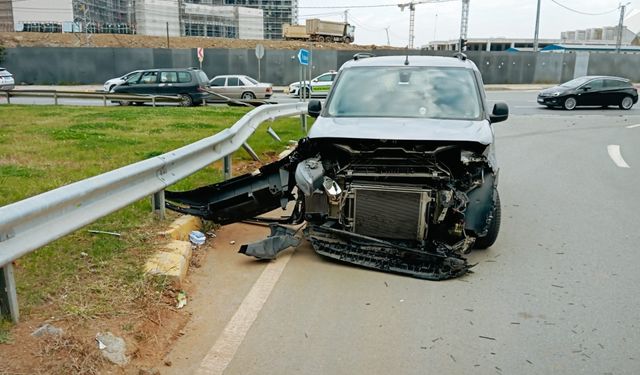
x=34, y=222
x=105, y=96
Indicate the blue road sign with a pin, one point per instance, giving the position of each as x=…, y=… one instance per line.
x=303, y=56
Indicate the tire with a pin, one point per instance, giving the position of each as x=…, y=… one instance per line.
x=304, y=93
x=185, y=100
x=626, y=103
x=494, y=227
x=248, y=96
x=570, y=103
x=320, y=39
x=347, y=40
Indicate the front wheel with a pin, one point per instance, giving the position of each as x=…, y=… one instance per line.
x=570, y=103
x=494, y=227
x=185, y=100
x=626, y=103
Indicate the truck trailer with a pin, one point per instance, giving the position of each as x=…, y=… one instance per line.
x=317, y=30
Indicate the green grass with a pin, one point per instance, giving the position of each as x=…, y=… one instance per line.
x=45, y=147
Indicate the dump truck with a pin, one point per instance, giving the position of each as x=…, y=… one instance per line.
x=318, y=30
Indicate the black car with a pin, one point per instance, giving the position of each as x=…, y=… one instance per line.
x=601, y=91
x=189, y=84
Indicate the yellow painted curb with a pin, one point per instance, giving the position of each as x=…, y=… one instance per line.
x=181, y=227
x=173, y=266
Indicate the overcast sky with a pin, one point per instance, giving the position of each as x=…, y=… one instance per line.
x=487, y=18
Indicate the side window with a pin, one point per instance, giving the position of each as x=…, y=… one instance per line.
x=168, y=77
x=134, y=78
x=232, y=81
x=218, y=81
x=149, y=77
x=333, y=77
x=184, y=77
x=325, y=78
x=615, y=84
x=596, y=84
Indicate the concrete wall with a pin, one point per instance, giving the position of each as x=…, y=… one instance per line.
x=280, y=67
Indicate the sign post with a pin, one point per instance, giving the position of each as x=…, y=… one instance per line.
x=200, y=56
x=259, y=56
x=303, y=59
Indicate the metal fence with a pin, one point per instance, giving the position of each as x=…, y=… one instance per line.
x=104, y=96
x=34, y=222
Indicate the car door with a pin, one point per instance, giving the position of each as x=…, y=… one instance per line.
x=168, y=83
x=591, y=93
x=322, y=83
x=147, y=85
x=615, y=90
x=233, y=87
x=219, y=85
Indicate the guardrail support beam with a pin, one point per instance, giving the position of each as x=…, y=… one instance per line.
x=8, y=98
x=157, y=202
x=227, y=167
x=8, y=296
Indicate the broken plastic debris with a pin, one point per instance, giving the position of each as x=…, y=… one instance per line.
x=182, y=299
x=232, y=242
x=197, y=238
x=84, y=254
x=100, y=344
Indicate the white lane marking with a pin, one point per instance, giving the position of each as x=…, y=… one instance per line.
x=227, y=344
x=616, y=156
x=633, y=126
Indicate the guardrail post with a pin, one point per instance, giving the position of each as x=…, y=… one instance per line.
x=157, y=203
x=153, y=100
x=8, y=98
x=55, y=98
x=227, y=167
x=104, y=100
x=8, y=296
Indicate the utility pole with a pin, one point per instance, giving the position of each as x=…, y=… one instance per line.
x=387, y=30
x=620, y=27
x=464, y=25
x=346, y=16
x=535, y=35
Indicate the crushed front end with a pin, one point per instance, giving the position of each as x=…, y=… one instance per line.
x=406, y=207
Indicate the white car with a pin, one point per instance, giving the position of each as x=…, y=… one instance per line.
x=6, y=80
x=114, y=82
x=240, y=87
x=318, y=86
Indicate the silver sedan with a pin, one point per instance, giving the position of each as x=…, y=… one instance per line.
x=240, y=87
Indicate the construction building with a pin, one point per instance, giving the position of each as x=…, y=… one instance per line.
x=490, y=44
x=599, y=35
x=276, y=13
x=207, y=18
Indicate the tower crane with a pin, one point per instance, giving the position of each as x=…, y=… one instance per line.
x=412, y=17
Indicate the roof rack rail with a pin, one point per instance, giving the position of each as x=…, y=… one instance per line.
x=460, y=56
x=362, y=55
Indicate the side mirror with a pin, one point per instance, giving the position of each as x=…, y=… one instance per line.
x=314, y=80
x=586, y=88
x=314, y=108
x=500, y=112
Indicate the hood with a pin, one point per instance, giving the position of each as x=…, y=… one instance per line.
x=554, y=89
x=115, y=80
x=298, y=83
x=403, y=129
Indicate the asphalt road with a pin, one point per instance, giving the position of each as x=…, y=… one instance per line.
x=557, y=294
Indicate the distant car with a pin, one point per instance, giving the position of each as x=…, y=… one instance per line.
x=6, y=80
x=318, y=86
x=240, y=87
x=190, y=84
x=601, y=91
x=113, y=82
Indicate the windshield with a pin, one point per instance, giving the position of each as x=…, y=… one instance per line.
x=575, y=82
x=422, y=92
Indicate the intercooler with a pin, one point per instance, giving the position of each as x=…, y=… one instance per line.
x=388, y=211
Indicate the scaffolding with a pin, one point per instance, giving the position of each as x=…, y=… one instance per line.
x=105, y=16
x=275, y=13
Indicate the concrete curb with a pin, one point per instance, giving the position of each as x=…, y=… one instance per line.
x=173, y=258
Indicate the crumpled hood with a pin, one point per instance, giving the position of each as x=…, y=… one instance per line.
x=422, y=129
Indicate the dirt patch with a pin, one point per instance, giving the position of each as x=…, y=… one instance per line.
x=22, y=39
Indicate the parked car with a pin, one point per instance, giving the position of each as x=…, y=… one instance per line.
x=113, y=82
x=190, y=84
x=240, y=87
x=601, y=91
x=319, y=86
x=401, y=177
x=6, y=80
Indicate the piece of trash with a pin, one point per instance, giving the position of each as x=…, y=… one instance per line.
x=197, y=237
x=211, y=234
x=103, y=232
x=182, y=299
x=100, y=344
x=47, y=329
x=487, y=337
x=84, y=254
x=232, y=242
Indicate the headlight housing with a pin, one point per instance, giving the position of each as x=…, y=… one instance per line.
x=556, y=94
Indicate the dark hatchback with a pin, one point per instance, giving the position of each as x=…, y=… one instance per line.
x=189, y=84
x=601, y=91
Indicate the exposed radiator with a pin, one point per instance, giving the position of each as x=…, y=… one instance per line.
x=389, y=212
